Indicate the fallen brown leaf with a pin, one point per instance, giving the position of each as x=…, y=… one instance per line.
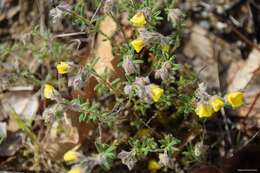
x=210, y=56
x=246, y=73
x=23, y=103
x=103, y=45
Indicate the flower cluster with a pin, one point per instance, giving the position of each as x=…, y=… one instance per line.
x=208, y=105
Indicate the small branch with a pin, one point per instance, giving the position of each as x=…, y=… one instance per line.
x=69, y=34
x=94, y=15
x=252, y=105
x=235, y=30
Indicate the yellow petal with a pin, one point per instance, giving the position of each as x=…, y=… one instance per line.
x=48, y=91
x=217, y=104
x=235, y=99
x=153, y=166
x=138, y=20
x=156, y=92
x=138, y=44
x=204, y=110
x=62, y=68
x=71, y=156
x=76, y=169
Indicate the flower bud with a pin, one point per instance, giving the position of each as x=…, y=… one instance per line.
x=129, y=66
x=128, y=89
x=161, y=74
x=175, y=15
x=141, y=81
x=153, y=166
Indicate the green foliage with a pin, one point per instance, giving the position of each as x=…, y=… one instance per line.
x=92, y=112
x=186, y=106
x=189, y=154
x=107, y=154
x=168, y=144
x=142, y=148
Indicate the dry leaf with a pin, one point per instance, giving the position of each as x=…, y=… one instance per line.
x=200, y=48
x=23, y=103
x=11, y=144
x=103, y=50
x=57, y=142
x=246, y=73
x=104, y=47
x=205, y=49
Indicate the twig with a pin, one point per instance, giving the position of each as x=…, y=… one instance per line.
x=250, y=140
x=69, y=34
x=236, y=31
x=252, y=105
x=94, y=15
x=222, y=111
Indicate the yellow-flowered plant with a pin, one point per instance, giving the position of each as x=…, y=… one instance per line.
x=153, y=166
x=48, y=91
x=138, y=44
x=235, y=99
x=156, y=92
x=71, y=156
x=217, y=103
x=204, y=110
x=63, y=67
x=76, y=169
x=138, y=20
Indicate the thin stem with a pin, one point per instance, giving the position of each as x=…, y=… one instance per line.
x=105, y=82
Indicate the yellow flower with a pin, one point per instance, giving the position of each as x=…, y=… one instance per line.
x=48, y=91
x=138, y=44
x=217, y=104
x=153, y=166
x=165, y=48
x=138, y=20
x=76, y=169
x=62, y=68
x=156, y=92
x=71, y=156
x=235, y=99
x=204, y=110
